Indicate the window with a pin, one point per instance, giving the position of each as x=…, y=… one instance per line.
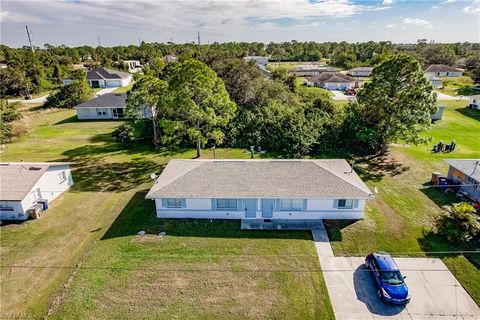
x=226, y=204
x=291, y=204
x=5, y=207
x=345, y=203
x=62, y=176
x=36, y=194
x=174, y=203
x=101, y=111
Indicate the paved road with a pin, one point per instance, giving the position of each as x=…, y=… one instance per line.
x=443, y=96
x=43, y=99
x=435, y=292
x=106, y=90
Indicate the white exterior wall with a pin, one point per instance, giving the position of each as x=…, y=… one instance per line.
x=91, y=113
x=446, y=74
x=315, y=209
x=337, y=85
x=50, y=187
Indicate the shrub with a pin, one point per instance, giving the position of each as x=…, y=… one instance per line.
x=125, y=134
x=459, y=223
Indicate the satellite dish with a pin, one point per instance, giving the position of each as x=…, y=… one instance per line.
x=153, y=176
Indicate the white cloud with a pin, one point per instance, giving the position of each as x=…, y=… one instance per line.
x=388, y=26
x=417, y=22
x=475, y=8
x=387, y=2
x=434, y=7
x=449, y=1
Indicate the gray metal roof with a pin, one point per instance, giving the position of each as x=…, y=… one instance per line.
x=105, y=73
x=18, y=178
x=470, y=167
x=116, y=100
x=259, y=178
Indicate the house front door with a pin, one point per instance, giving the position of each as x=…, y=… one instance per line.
x=250, y=208
x=267, y=208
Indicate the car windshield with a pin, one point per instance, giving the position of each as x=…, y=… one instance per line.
x=392, y=277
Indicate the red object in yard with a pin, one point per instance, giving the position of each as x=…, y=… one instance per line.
x=351, y=92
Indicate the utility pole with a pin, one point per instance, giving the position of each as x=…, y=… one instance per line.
x=139, y=42
x=99, y=44
x=30, y=39
x=198, y=37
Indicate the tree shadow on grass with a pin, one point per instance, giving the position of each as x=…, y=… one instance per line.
x=474, y=114
x=334, y=228
x=437, y=195
x=139, y=215
x=68, y=120
x=377, y=168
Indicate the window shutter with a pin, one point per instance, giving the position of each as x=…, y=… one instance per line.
x=355, y=203
x=239, y=204
x=214, y=204
x=184, y=203
x=335, y=203
x=164, y=203
x=305, y=204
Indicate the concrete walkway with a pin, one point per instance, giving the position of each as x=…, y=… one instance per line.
x=105, y=90
x=435, y=292
x=443, y=96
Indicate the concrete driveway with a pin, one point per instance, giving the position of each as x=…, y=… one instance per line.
x=340, y=96
x=435, y=292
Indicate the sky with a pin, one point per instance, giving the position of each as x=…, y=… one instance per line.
x=120, y=22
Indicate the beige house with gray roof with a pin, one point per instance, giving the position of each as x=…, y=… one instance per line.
x=24, y=184
x=259, y=189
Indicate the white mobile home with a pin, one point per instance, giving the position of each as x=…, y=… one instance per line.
x=107, y=106
x=24, y=184
x=441, y=70
x=261, y=61
x=259, y=189
x=360, y=72
x=105, y=78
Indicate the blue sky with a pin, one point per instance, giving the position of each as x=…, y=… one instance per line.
x=80, y=22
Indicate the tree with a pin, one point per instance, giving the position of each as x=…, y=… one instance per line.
x=71, y=94
x=459, y=223
x=397, y=104
x=152, y=93
x=200, y=102
x=125, y=134
x=8, y=113
x=438, y=54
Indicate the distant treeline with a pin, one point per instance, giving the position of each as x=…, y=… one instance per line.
x=46, y=67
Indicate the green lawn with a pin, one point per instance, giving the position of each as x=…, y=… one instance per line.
x=199, y=270
x=458, y=86
x=124, y=89
x=401, y=217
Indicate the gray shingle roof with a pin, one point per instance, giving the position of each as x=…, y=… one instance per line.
x=362, y=69
x=116, y=100
x=441, y=68
x=470, y=167
x=332, y=77
x=18, y=178
x=105, y=73
x=259, y=178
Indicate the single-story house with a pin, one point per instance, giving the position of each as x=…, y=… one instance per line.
x=105, y=78
x=309, y=71
x=333, y=81
x=24, y=184
x=259, y=189
x=360, y=72
x=474, y=102
x=467, y=173
x=132, y=65
x=441, y=70
x=107, y=106
x=170, y=58
x=261, y=61
x=435, y=81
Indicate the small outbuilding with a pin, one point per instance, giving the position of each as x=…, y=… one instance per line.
x=465, y=172
x=474, y=102
x=107, y=106
x=24, y=185
x=260, y=60
x=360, y=72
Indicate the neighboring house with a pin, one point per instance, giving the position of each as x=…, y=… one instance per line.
x=105, y=78
x=23, y=184
x=261, y=61
x=333, y=81
x=467, y=173
x=170, y=58
x=107, y=106
x=132, y=65
x=259, y=189
x=360, y=72
x=474, y=102
x=439, y=114
x=309, y=71
x=267, y=73
x=435, y=81
x=441, y=70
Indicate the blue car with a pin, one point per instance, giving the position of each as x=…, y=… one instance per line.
x=388, y=279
